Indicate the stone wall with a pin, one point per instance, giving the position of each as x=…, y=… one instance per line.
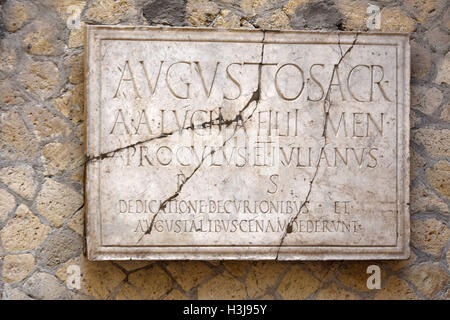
x=42, y=161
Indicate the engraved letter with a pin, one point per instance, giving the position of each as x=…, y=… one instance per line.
x=127, y=64
x=149, y=82
x=348, y=83
x=235, y=81
x=317, y=82
x=336, y=71
x=200, y=72
x=179, y=96
x=278, y=87
x=117, y=121
x=271, y=178
x=378, y=83
x=143, y=114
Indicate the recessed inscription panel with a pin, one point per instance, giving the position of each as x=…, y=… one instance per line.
x=231, y=144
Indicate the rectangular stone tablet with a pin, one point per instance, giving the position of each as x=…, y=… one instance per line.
x=246, y=144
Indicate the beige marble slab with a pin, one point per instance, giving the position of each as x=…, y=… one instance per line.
x=246, y=144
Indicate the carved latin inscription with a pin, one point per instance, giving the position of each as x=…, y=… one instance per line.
x=246, y=144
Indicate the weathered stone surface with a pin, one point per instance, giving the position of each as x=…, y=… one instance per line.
x=75, y=63
x=354, y=14
x=446, y=19
x=278, y=20
x=24, y=231
x=8, y=56
x=415, y=120
x=76, y=37
x=17, y=143
x=430, y=236
x=78, y=175
x=20, y=179
x=317, y=15
x=7, y=203
x=423, y=10
x=17, y=13
x=292, y=5
x=433, y=99
x=189, y=274
x=231, y=288
x=398, y=265
x=132, y=265
x=201, y=12
x=70, y=104
x=9, y=93
x=439, y=176
x=237, y=268
x=98, y=279
x=17, y=267
x=396, y=289
x=445, y=295
x=63, y=6
x=438, y=39
x=45, y=123
x=423, y=199
x=448, y=258
x=60, y=246
x=323, y=270
x=10, y=293
x=436, y=142
x=297, y=284
x=56, y=202
x=354, y=275
x=426, y=100
x=161, y=186
x=169, y=12
x=76, y=223
x=127, y=292
x=262, y=276
x=396, y=19
x=110, y=11
x=333, y=292
x=152, y=282
x=421, y=55
x=445, y=115
x=175, y=295
x=429, y=278
x=40, y=78
x=79, y=132
x=252, y=7
x=417, y=167
x=227, y=19
x=61, y=157
x=44, y=286
x=43, y=39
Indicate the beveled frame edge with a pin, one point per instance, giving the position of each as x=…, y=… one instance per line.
x=96, y=253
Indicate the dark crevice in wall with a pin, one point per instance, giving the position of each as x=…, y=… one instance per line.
x=166, y=12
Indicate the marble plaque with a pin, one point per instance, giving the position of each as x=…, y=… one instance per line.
x=246, y=144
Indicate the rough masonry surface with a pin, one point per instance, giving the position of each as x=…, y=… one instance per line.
x=42, y=134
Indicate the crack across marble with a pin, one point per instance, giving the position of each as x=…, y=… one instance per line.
x=326, y=108
x=255, y=97
x=219, y=121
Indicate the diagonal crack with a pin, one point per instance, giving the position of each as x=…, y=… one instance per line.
x=255, y=97
x=326, y=109
x=207, y=124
